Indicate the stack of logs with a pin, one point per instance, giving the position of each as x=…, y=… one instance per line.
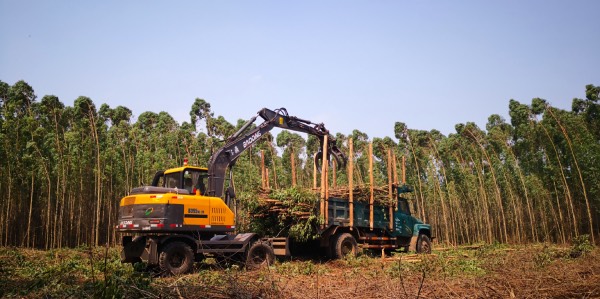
x=289, y=208
x=362, y=194
x=283, y=208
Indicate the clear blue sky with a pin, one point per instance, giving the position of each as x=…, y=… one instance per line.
x=350, y=64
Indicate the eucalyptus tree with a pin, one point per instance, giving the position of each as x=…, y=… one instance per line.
x=360, y=140
x=18, y=126
x=479, y=137
x=87, y=121
x=440, y=181
x=511, y=178
x=145, y=140
x=170, y=148
x=53, y=118
x=589, y=109
x=292, y=144
x=120, y=140
x=573, y=129
x=524, y=146
x=342, y=145
x=380, y=149
x=4, y=141
x=118, y=162
x=201, y=110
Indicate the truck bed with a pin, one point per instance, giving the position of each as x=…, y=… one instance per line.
x=339, y=214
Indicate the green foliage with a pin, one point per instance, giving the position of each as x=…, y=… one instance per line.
x=292, y=196
x=581, y=245
x=287, y=223
x=62, y=273
x=300, y=268
x=546, y=256
x=305, y=230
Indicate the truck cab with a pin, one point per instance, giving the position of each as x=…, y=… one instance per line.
x=408, y=229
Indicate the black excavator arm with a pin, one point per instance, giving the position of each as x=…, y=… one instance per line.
x=237, y=143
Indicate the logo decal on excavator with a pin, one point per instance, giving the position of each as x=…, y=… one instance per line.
x=148, y=211
x=251, y=139
x=195, y=211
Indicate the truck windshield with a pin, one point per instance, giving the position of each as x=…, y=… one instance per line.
x=403, y=205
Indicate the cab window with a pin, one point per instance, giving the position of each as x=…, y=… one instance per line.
x=403, y=206
x=195, y=180
x=172, y=180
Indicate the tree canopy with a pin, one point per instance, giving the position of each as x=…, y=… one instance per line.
x=534, y=177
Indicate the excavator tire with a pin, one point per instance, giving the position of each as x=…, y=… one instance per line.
x=260, y=254
x=344, y=245
x=176, y=258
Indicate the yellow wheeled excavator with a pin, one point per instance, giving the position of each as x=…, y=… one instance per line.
x=186, y=213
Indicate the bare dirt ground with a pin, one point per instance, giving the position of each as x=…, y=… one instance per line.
x=485, y=271
x=534, y=271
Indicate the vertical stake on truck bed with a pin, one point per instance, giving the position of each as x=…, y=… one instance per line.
x=262, y=169
x=315, y=171
x=394, y=168
x=326, y=171
x=351, y=180
x=403, y=170
x=371, y=183
x=391, y=194
x=267, y=178
x=324, y=180
x=333, y=174
x=293, y=162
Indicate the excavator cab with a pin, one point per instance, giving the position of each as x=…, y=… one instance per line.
x=189, y=178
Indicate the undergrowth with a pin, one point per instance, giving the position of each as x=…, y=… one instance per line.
x=98, y=273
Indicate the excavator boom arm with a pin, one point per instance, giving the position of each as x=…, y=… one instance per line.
x=237, y=143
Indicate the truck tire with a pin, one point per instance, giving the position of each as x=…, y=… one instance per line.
x=423, y=244
x=344, y=245
x=260, y=254
x=176, y=258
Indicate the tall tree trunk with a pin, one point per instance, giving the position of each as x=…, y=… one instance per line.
x=503, y=234
x=98, y=177
x=483, y=192
x=8, y=206
x=420, y=196
x=565, y=183
x=27, y=237
x=587, y=202
x=293, y=162
x=561, y=227
x=447, y=231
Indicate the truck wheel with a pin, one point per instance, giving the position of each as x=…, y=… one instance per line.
x=260, y=254
x=345, y=245
x=176, y=258
x=423, y=244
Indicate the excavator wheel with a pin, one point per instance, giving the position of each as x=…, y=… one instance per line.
x=260, y=254
x=176, y=258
